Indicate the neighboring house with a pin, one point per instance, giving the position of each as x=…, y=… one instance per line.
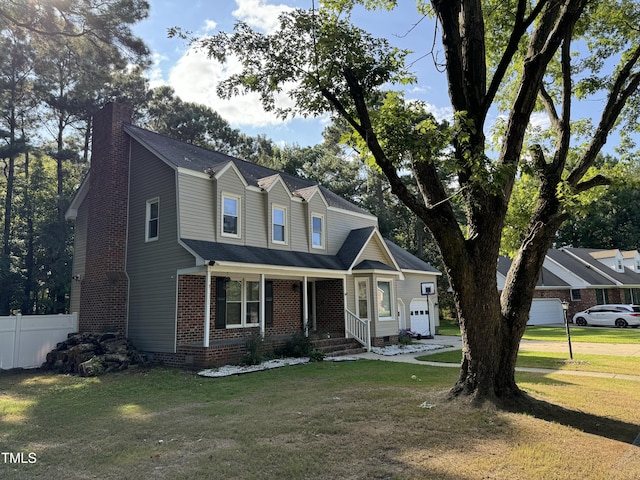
x=583, y=277
x=190, y=251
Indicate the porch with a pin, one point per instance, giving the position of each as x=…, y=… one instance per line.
x=217, y=312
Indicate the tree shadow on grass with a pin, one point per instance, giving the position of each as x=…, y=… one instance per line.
x=606, y=427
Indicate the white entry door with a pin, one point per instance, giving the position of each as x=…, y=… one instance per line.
x=419, y=309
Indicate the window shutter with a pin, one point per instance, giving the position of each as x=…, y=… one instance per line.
x=268, y=302
x=221, y=303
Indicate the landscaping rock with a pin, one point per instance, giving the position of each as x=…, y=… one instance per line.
x=90, y=354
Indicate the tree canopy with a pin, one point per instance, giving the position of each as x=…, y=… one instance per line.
x=516, y=58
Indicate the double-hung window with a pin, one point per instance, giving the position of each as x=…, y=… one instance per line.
x=230, y=215
x=152, y=220
x=278, y=224
x=238, y=302
x=317, y=231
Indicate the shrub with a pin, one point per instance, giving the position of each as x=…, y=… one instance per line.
x=316, y=356
x=256, y=350
x=297, y=346
x=405, y=337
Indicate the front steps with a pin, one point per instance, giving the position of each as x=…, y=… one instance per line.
x=338, y=347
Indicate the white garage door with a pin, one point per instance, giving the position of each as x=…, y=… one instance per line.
x=419, y=310
x=545, y=311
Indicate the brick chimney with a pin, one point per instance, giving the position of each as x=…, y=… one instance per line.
x=103, y=301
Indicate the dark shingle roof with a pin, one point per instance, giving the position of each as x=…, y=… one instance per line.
x=185, y=155
x=353, y=245
x=546, y=278
x=225, y=252
x=407, y=261
x=373, y=265
x=574, y=265
x=628, y=277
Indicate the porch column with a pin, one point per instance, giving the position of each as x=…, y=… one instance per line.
x=305, y=306
x=344, y=304
x=263, y=310
x=207, y=307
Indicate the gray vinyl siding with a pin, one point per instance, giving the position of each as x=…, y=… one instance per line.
x=373, y=251
x=299, y=227
x=197, y=207
x=340, y=223
x=152, y=266
x=256, y=211
x=79, y=255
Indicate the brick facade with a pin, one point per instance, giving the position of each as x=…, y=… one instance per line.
x=103, y=304
x=330, y=307
x=227, y=345
x=588, y=298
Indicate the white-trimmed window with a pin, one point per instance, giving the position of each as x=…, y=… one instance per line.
x=317, y=230
x=383, y=299
x=278, y=224
x=576, y=295
x=230, y=215
x=242, y=303
x=152, y=223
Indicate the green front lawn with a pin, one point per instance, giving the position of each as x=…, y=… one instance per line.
x=559, y=334
x=558, y=361
x=356, y=420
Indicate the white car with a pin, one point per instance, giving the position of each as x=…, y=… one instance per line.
x=609, y=315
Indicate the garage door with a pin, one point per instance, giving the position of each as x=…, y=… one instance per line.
x=545, y=311
x=420, y=317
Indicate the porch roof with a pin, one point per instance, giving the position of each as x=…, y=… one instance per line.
x=226, y=252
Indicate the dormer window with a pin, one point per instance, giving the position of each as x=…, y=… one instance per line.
x=279, y=224
x=619, y=266
x=230, y=216
x=317, y=231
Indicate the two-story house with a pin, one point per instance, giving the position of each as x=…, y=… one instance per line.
x=581, y=277
x=189, y=251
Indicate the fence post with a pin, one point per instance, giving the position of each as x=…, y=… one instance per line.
x=16, y=341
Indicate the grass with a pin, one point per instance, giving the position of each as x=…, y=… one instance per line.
x=559, y=333
x=556, y=360
x=349, y=420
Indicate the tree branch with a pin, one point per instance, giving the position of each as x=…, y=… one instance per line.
x=520, y=27
x=625, y=85
x=598, y=180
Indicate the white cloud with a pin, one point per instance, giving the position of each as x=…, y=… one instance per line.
x=441, y=113
x=195, y=78
x=258, y=14
x=540, y=121
x=209, y=25
x=154, y=74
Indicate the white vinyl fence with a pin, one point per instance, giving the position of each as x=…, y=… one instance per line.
x=25, y=340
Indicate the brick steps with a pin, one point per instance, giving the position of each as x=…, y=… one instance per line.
x=338, y=347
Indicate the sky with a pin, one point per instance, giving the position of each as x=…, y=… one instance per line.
x=194, y=77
